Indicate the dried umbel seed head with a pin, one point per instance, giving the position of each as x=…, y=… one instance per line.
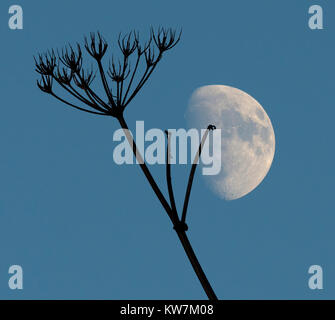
x=150, y=57
x=165, y=39
x=128, y=44
x=46, y=63
x=63, y=75
x=120, y=81
x=96, y=47
x=71, y=58
x=84, y=79
x=45, y=84
x=119, y=73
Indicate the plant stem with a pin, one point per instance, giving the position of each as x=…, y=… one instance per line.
x=145, y=169
x=172, y=215
x=196, y=265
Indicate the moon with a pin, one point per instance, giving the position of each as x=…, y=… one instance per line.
x=247, y=137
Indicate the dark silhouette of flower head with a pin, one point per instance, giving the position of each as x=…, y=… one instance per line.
x=165, y=39
x=150, y=57
x=123, y=81
x=45, y=84
x=127, y=45
x=63, y=75
x=84, y=80
x=119, y=73
x=46, y=63
x=71, y=58
x=96, y=47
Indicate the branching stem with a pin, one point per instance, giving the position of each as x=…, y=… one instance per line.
x=172, y=215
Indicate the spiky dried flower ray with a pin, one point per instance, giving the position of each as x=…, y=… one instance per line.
x=66, y=69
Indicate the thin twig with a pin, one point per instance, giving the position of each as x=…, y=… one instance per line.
x=145, y=169
x=168, y=173
x=192, y=172
x=76, y=107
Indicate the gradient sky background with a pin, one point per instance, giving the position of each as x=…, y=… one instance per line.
x=83, y=227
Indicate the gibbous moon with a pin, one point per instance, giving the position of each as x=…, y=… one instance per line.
x=248, y=140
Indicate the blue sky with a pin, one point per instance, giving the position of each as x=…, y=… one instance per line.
x=83, y=227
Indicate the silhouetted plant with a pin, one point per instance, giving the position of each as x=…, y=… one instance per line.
x=65, y=68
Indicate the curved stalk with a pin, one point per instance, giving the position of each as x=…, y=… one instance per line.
x=168, y=173
x=190, y=179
